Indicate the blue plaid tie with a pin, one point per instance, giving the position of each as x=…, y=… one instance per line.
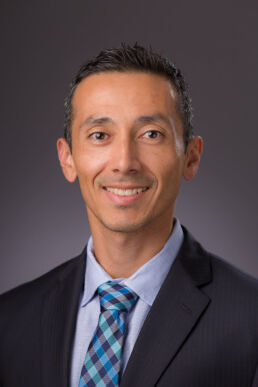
x=102, y=364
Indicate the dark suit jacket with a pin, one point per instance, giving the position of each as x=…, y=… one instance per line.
x=202, y=330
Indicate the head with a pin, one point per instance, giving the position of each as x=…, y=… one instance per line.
x=133, y=59
x=129, y=139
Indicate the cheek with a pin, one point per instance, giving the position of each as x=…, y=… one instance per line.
x=171, y=175
x=89, y=166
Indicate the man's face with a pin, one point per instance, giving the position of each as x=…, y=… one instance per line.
x=127, y=149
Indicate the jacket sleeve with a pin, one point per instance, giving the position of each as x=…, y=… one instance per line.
x=255, y=379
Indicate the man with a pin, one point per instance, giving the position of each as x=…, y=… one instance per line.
x=144, y=304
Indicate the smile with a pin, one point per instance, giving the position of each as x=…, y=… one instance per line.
x=126, y=192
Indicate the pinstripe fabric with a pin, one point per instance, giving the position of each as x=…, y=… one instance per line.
x=103, y=359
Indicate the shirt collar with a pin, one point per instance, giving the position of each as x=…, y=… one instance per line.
x=152, y=272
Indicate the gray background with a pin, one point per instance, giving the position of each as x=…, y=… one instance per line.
x=43, y=219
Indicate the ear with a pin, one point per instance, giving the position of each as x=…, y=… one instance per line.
x=66, y=160
x=193, y=157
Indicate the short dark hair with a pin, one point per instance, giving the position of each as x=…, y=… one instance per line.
x=128, y=58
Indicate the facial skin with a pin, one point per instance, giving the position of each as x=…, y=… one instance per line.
x=128, y=135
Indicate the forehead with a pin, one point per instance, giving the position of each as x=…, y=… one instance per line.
x=125, y=91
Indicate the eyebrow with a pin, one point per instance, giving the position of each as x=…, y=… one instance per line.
x=147, y=119
x=96, y=121
x=157, y=117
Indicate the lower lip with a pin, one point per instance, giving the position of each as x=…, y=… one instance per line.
x=123, y=200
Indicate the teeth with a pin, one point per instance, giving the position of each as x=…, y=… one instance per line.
x=125, y=192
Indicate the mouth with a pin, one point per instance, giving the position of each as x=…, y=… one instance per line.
x=126, y=191
x=125, y=196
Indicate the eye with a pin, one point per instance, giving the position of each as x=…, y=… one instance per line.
x=98, y=136
x=152, y=134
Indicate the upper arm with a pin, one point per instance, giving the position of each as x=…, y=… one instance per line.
x=255, y=379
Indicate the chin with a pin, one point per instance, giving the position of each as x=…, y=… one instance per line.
x=118, y=223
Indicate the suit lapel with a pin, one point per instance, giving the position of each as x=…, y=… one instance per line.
x=173, y=316
x=58, y=321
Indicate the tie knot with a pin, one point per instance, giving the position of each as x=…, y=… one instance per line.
x=115, y=296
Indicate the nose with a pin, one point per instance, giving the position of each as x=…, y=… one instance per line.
x=124, y=158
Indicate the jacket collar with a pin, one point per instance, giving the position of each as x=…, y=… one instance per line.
x=173, y=315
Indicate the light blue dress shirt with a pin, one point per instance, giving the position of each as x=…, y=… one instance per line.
x=145, y=282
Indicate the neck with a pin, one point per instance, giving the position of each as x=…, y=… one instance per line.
x=122, y=254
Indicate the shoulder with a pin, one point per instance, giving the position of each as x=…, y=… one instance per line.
x=232, y=287
x=225, y=272
x=222, y=277
x=32, y=291
x=232, y=310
